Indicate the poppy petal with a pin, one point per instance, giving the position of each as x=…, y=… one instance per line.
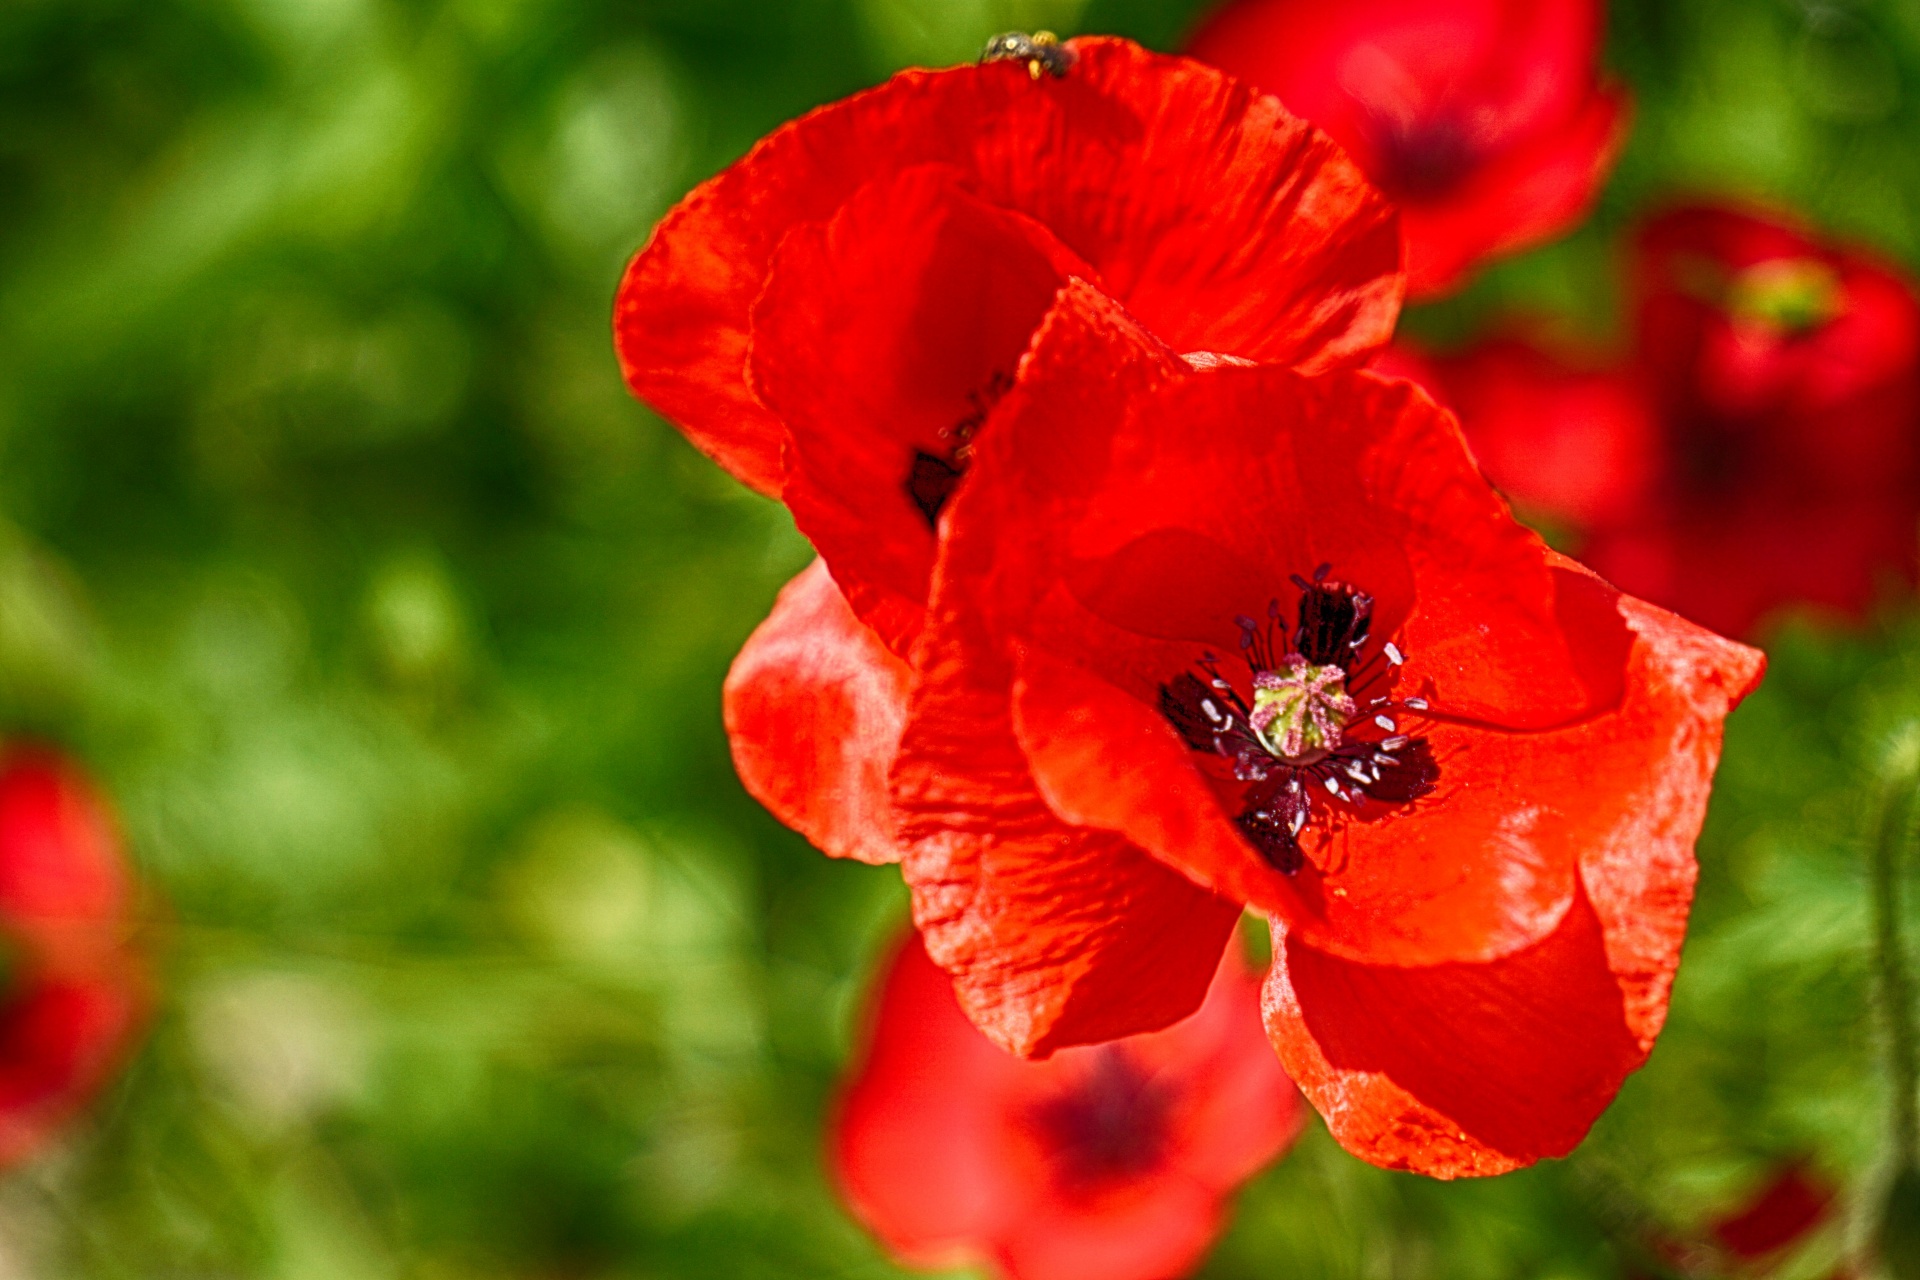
x=1467, y=875
x=63, y=885
x=1479, y=118
x=953, y=1151
x=1265, y=242
x=1355, y=69
x=814, y=707
x=1521, y=199
x=60, y=1037
x=1221, y=472
x=1567, y=441
x=1054, y=935
x=77, y=995
x=1455, y=1070
x=1157, y=1231
x=1788, y=373
x=929, y=1082
x=1221, y=486
x=882, y=339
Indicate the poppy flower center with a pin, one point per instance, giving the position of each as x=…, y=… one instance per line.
x=1424, y=158
x=1792, y=295
x=1111, y=1122
x=1324, y=734
x=1300, y=710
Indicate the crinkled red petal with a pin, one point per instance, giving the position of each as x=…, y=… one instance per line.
x=1456, y=1070
x=1224, y=223
x=1226, y=483
x=1055, y=935
x=1221, y=484
x=814, y=706
x=885, y=332
x=936, y=1147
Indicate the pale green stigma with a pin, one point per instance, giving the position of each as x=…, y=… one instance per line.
x=1300, y=710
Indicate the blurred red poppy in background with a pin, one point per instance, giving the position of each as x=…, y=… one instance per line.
x=1572, y=441
x=1786, y=376
x=1106, y=1163
x=1762, y=1234
x=835, y=318
x=1784, y=1210
x=1760, y=449
x=1484, y=120
x=74, y=993
x=1277, y=633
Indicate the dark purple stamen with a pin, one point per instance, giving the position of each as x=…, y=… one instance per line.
x=1334, y=620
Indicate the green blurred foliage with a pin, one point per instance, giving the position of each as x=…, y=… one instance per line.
x=331, y=540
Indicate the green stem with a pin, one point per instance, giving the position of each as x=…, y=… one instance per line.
x=1890, y=956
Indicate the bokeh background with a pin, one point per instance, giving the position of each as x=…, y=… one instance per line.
x=332, y=543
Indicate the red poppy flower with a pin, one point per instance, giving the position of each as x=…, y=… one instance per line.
x=1107, y=1163
x=73, y=996
x=1276, y=633
x=1786, y=375
x=834, y=317
x=1762, y=1234
x=1482, y=119
x=1572, y=442
x=1786, y=1209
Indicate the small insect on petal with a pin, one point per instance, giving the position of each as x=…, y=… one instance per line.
x=1041, y=51
x=1393, y=654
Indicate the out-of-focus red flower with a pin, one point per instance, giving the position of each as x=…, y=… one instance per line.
x=1278, y=634
x=1572, y=442
x=1105, y=1163
x=73, y=993
x=1786, y=376
x=834, y=319
x=1483, y=119
x=1762, y=1234
x=1782, y=1212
